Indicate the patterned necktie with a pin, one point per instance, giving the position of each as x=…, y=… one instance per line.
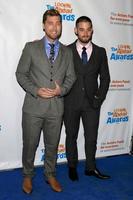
x=84, y=55
x=52, y=53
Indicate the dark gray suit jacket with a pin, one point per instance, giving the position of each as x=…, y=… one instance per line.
x=35, y=71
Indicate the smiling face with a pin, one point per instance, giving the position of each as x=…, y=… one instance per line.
x=84, y=32
x=52, y=27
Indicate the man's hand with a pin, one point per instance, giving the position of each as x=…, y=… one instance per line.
x=49, y=93
x=57, y=89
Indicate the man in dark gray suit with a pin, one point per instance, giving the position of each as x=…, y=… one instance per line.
x=85, y=98
x=45, y=71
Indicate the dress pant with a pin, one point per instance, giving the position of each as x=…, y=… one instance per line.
x=32, y=126
x=90, y=120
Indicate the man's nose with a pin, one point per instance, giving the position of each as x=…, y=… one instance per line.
x=86, y=33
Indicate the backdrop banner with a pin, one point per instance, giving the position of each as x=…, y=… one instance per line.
x=20, y=22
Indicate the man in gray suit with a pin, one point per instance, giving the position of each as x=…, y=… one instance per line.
x=45, y=71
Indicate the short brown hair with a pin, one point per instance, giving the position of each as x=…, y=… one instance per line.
x=83, y=19
x=51, y=12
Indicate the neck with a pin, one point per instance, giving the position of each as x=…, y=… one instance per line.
x=50, y=40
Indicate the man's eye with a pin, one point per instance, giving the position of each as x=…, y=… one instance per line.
x=50, y=23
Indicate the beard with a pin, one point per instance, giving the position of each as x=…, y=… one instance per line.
x=84, y=39
x=53, y=37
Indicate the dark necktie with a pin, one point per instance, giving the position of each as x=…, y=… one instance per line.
x=52, y=53
x=84, y=55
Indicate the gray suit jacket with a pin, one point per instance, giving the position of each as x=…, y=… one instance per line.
x=34, y=71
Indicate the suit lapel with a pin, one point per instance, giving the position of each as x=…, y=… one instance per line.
x=45, y=61
x=93, y=56
x=58, y=60
x=43, y=54
x=76, y=52
x=43, y=57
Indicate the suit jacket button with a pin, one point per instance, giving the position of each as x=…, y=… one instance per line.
x=51, y=79
x=52, y=66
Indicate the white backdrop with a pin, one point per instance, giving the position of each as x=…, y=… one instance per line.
x=21, y=21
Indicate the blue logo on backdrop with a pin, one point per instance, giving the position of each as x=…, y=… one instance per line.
x=65, y=10
x=118, y=116
x=61, y=154
x=122, y=52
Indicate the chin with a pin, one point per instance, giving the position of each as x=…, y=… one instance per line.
x=85, y=41
x=54, y=37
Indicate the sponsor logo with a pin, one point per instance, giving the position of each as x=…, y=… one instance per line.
x=65, y=9
x=112, y=145
x=121, y=53
x=61, y=152
x=118, y=116
x=119, y=18
x=120, y=85
x=60, y=155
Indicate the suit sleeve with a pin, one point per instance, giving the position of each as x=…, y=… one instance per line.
x=23, y=72
x=104, y=76
x=70, y=76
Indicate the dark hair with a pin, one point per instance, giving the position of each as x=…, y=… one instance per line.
x=83, y=19
x=51, y=12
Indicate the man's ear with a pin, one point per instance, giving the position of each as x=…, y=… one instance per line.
x=75, y=31
x=43, y=27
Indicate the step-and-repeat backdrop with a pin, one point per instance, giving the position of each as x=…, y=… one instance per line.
x=21, y=21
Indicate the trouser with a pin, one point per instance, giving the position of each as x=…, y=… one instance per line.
x=90, y=120
x=32, y=126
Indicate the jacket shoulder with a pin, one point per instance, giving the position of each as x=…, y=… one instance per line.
x=72, y=45
x=65, y=48
x=98, y=48
x=34, y=43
